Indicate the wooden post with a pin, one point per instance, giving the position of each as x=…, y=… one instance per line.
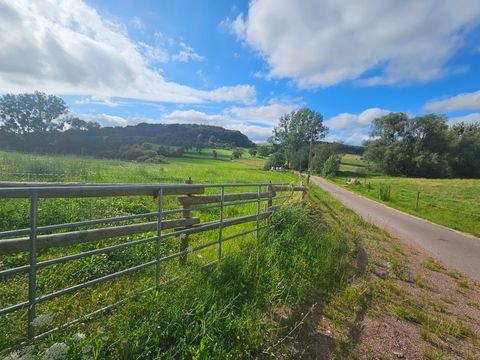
x=184, y=237
x=418, y=199
x=304, y=191
x=270, y=201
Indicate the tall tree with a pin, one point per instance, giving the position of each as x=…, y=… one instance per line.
x=417, y=146
x=297, y=130
x=28, y=113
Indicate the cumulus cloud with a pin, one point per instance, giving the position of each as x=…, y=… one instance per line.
x=348, y=138
x=255, y=132
x=467, y=119
x=66, y=47
x=113, y=120
x=194, y=117
x=264, y=114
x=323, y=43
x=464, y=101
x=348, y=120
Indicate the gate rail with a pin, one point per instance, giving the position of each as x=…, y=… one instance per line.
x=191, y=197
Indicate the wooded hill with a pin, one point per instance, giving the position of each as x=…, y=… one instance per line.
x=109, y=141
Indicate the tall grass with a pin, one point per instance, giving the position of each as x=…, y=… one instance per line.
x=225, y=311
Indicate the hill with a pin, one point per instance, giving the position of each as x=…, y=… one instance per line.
x=107, y=142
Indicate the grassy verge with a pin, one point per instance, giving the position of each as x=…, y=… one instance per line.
x=224, y=311
x=454, y=203
x=400, y=304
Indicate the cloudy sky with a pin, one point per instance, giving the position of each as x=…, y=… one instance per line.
x=242, y=64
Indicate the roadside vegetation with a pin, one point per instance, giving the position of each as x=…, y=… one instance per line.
x=400, y=304
x=450, y=202
x=244, y=307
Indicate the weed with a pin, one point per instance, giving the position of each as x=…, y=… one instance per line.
x=385, y=192
x=434, y=265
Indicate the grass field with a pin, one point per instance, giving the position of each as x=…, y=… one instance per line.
x=206, y=302
x=454, y=203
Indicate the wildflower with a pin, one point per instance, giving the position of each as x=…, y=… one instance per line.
x=42, y=320
x=78, y=336
x=86, y=349
x=23, y=354
x=14, y=355
x=57, y=351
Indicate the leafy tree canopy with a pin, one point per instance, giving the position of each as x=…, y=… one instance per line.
x=28, y=113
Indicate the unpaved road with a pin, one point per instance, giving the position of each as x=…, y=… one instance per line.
x=454, y=249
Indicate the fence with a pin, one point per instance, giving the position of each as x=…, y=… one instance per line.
x=188, y=200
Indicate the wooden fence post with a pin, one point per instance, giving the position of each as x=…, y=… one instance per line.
x=184, y=237
x=270, y=201
x=418, y=199
x=304, y=191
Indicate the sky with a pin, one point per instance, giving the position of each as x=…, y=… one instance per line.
x=241, y=65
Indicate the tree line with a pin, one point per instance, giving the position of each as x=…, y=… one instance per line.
x=424, y=146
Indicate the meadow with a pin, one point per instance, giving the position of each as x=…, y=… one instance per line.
x=218, y=311
x=454, y=203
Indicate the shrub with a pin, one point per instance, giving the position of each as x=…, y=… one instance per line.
x=330, y=167
x=277, y=159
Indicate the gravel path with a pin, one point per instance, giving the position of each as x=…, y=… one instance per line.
x=455, y=249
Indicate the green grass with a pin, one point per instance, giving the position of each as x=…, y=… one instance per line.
x=200, y=166
x=454, y=203
x=224, y=311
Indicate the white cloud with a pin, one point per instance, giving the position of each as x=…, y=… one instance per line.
x=137, y=23
x=348, y=120
x=355, y=138
x=153, y=54
x=186, y=54
x=467, y=119
x=67, y=48
x=464, y=101
x=194, y=117
x=255, y=133
x=321, y=43
x=265, y=114
x=113, y=120
x=96, y=100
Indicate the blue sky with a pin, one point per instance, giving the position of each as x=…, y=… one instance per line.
x=241, y=65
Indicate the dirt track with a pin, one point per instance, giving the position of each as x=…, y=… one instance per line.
x=455, y=249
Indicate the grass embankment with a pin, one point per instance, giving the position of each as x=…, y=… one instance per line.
x=454, y=203
x=233, y=310
x=400, y=304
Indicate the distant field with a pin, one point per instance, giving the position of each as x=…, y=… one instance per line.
x=454, y=203
x=202, y=167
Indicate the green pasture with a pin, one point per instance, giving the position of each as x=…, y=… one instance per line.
x=454, y=203
x=14, y=214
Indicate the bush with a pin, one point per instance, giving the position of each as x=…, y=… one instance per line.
x=330, y=167
x=277, y=159
x=237, y=153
